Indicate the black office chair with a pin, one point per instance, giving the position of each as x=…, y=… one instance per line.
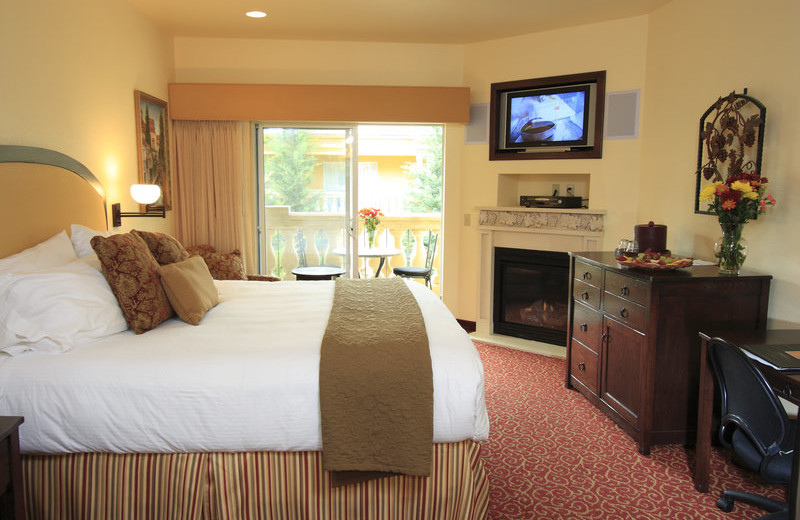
x=410, y=271
x=754, y=424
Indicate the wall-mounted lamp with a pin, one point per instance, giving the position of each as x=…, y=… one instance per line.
x=145, y=194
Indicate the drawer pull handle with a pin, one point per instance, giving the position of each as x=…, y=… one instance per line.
x=787, y=391
x=585, y=295
x=587, y=275
x=582, y=366
x=584, y=327
x=624, y=312
x=624, y=291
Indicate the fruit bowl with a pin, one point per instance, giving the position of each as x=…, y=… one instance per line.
x=654, y=262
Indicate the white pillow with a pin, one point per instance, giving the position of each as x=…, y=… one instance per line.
x=93, y=262
x=81, y=237
x=52, y=311
x=53, y=252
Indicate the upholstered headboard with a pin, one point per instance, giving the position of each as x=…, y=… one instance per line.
x=42, y=192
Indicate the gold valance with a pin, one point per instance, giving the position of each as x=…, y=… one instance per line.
x=339, y=103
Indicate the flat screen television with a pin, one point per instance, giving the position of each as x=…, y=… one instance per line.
x=548, y=117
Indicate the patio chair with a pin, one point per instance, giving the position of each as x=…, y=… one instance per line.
x=410, y=271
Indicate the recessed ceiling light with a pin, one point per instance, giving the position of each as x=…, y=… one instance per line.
x=256, y=14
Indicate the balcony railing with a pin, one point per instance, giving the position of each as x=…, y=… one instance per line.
x=297, y=239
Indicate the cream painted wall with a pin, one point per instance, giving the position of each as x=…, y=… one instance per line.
x=68, y=84
x=215, y=60
x=619, y=48
x=697, y=52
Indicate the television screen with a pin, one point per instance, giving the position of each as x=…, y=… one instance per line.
x=547, y=117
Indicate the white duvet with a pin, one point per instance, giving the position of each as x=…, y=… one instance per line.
x=245, y=379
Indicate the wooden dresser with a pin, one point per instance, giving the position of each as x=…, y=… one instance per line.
x=632, y=339
x=11, y=497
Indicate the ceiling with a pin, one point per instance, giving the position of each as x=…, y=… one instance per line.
x=410, y=21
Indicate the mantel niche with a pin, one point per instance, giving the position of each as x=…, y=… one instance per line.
x=534, y=229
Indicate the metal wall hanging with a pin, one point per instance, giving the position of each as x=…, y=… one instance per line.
x=731, y=141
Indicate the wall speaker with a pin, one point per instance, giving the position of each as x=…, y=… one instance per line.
x=477, y=131
x=622, y=115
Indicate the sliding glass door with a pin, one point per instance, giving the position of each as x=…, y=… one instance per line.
x=305, y=203
x=314, y=180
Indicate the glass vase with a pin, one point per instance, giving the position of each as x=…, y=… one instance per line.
x=371, y=237
x=730, y=249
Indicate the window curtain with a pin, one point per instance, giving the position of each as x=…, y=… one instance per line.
x=212, y=164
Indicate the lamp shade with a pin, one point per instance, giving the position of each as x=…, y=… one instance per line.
x=145, y=193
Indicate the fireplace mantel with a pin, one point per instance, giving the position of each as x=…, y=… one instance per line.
x=564, y=221
x=542, y=229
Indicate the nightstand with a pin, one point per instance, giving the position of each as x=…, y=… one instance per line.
x=11, y=499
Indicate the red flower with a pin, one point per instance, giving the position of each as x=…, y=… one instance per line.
x=370, y=217
x=729, y=199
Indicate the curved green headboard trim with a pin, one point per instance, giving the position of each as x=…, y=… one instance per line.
x=32, y=154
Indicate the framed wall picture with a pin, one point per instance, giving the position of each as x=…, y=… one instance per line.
x=731, y=142
x=152, y=144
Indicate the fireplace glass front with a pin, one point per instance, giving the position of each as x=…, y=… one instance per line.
x=531, y=294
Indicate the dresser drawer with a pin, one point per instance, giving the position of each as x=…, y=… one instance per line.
x=588, y=273
x=583, y=365
x=625, y=311
x=587, y=326
x=627, y=287
x=588, y=294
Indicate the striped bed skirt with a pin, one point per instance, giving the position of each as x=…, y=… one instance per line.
x=260, y=485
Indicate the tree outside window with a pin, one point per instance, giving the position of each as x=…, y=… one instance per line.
x=425, y=195
x=289, y=171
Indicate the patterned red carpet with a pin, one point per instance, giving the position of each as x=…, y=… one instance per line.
x=553, y=456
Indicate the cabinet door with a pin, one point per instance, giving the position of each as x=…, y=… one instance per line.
x=620, y=386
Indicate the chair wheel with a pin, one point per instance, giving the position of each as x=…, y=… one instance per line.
x=725, y=504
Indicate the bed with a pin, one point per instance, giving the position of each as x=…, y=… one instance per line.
x=219, y=420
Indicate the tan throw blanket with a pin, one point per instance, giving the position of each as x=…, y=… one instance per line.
x=375, y=383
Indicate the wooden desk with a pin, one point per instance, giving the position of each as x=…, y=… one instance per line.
x=786, y=385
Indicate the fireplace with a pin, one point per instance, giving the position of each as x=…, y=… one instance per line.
x=531, y=290
x=535, y=229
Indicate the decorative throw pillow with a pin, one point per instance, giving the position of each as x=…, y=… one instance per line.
x=165, y=248
x=201, y=250
x=132, y=273
x=226, y=266
x=190, y=288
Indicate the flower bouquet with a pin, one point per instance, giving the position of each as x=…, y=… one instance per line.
x=735, y=201
x=371, y=218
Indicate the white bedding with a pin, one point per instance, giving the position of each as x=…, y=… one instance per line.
x=246, y=379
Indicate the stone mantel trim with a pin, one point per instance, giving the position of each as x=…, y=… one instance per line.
x=543, y=219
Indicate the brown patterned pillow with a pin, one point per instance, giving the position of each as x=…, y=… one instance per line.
x=226, y=266
x=165, y=248
x=132, y=273
x=201, y=250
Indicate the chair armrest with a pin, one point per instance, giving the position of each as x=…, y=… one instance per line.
x=262, y=278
